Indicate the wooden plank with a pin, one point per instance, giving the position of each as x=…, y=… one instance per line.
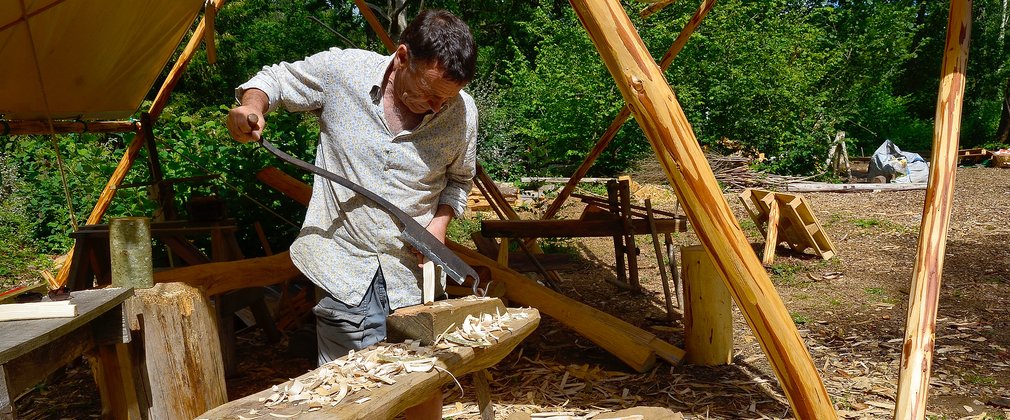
x=572, y=228
x=846, y=188
x=426, y=322
x=388, y=401
x=923, y=301
x=37, y=310
x=630, y=248
x=663, y=122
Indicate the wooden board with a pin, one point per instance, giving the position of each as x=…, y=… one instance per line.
x=613, y=226
x=388, y=401
x=37, y=310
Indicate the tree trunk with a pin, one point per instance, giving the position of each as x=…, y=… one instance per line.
x=1003, y=132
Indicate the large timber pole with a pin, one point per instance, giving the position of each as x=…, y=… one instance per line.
x=659, y=114
x=917, y=351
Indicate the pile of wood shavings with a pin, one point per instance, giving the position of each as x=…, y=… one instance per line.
x=332, y=382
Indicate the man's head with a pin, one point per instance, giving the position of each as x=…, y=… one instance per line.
x=435, y=59
x=441, y=37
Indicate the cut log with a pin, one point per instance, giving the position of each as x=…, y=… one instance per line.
x=663, y=122
x=426, y=322
x=708, y=311
x=920, y=327
x=37, y=310
x=184, y=374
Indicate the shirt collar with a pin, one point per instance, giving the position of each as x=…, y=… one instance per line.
x=378, y=76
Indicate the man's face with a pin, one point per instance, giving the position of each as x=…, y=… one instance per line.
x=422, y=87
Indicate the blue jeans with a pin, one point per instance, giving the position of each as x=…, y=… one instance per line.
x=341, y=328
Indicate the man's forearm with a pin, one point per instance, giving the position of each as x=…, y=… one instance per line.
x=255, y=98
x=440, y=223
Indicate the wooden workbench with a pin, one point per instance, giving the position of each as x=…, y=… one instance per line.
x=389, y=400
x=30, y=350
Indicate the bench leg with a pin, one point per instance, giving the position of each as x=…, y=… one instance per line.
x=483, y=394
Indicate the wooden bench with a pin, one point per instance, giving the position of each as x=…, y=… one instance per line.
x=387, y=401
x=30, y=350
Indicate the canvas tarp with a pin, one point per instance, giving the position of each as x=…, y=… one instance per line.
x=86, y=59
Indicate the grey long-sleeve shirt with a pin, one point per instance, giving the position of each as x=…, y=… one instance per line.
x=345, y=237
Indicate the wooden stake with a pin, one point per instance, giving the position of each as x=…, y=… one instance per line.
x=614, y=206
x=660, y=260
x=917, y=351
x=663, y=122
x=209, y=16
x=630, y=248
x=772, y=230
x=431, y=273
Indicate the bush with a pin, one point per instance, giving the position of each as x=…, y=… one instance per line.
x=21, y=256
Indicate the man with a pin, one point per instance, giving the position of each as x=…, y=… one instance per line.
x=398, y=125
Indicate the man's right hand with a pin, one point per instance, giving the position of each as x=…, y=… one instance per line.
x=240, y=124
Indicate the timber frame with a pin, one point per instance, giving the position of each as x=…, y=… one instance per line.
x=650, y=99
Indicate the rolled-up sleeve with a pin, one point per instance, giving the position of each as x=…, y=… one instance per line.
x=296, y=86
x=459, y=174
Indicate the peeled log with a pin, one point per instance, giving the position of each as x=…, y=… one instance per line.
x=917, y=351
x=184, y=374
x=216, y=278
x=657, y=111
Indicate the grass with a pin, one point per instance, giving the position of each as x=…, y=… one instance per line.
x=886, y=225
x=798, y=318
x=875, y=291
x=460, y=228
x=866, y=223
x=785, y=273
x=977, y=379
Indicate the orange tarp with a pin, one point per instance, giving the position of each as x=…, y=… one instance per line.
x=88, y=59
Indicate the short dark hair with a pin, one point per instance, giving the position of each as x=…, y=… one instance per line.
x=441, y=36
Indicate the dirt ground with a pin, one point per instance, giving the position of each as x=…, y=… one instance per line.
x=850, y=311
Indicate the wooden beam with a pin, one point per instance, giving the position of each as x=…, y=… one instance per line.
x=220, y=277
x=663, y=122
x=572, y=228
x=375, y=25
x=845, y=188
x=209, y=16
x=286, y=184
x=21, y=127
x=622, y=116
x=174, y=75
x=920, y=326
x=634, y=346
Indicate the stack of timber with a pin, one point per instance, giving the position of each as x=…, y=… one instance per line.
x=972, y=156
x=475, y=201
x=732, y=172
